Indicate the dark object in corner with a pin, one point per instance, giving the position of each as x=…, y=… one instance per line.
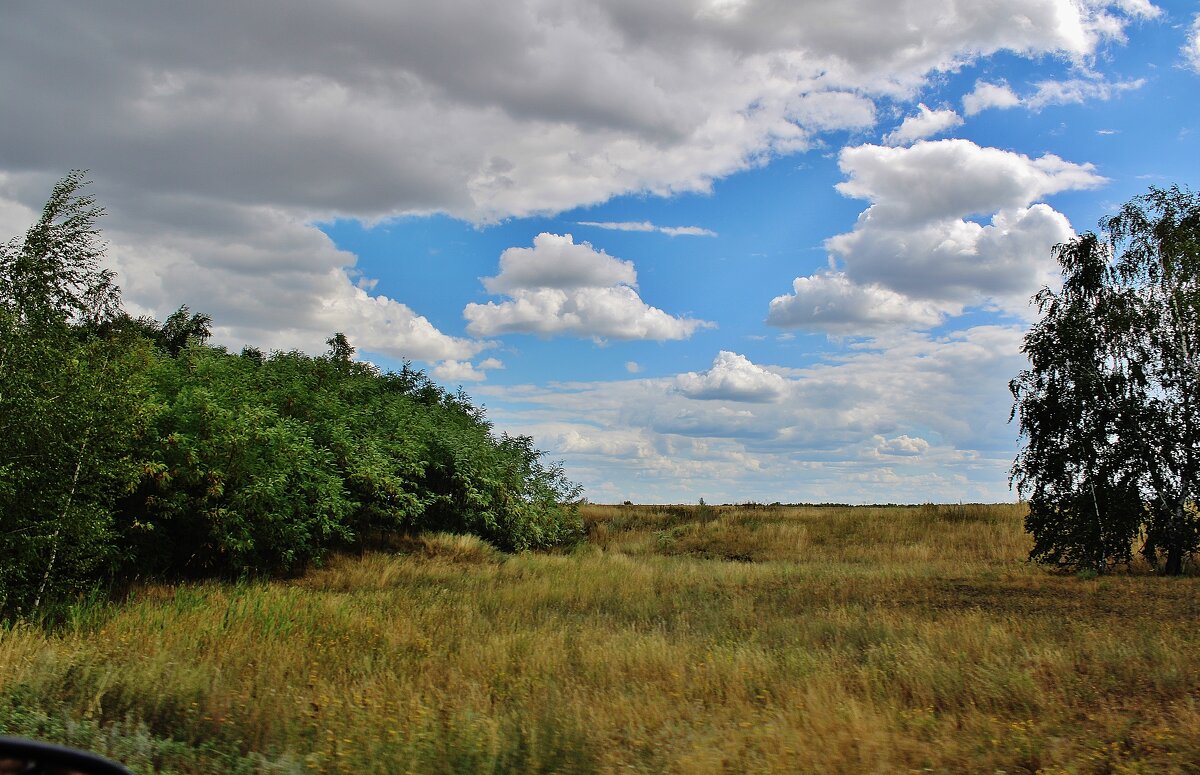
x=28, y=757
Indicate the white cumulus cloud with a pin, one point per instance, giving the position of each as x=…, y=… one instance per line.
x=560, y=287
x=955, y=260
x=989, y=95
x=927, y=123
x=458, y=371
x=952, y=178
x=901, y=446
x=914, y=255
x=266, y=278
x=556, y=261
x=464, y=371
x=830, y=301
x=732, y=377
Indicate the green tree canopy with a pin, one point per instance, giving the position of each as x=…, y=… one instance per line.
x=1108, y=409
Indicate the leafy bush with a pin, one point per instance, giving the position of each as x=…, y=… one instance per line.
x=229, y=485
x=135, y=449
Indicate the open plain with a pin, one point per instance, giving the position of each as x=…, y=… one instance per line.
x=692, y=639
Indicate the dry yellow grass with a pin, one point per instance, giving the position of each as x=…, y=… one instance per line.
x=678, y=640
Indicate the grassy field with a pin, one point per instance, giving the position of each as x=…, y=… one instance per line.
x=677, y=639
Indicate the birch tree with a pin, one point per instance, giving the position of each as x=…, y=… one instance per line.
x=1108, y=408
x=66, y=404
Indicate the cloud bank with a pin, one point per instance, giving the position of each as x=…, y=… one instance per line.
x=908, y=417
x=218, y=134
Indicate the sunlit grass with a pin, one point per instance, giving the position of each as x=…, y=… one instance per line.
x=686, y=640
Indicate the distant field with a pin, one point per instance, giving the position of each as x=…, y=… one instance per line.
x=677, y=639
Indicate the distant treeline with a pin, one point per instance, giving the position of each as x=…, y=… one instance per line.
x=131, y=449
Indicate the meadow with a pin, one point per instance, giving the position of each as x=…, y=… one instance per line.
x=674, y=639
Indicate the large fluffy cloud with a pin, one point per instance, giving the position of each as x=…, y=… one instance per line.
x=915, y=254
x=305, y=112
x=466, y=106
x=957, y=261
x=952, y=179
x=560, y=287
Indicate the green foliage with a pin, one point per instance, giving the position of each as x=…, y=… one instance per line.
x=133, y=449
x=53, y=277
x=1110, y=408
x=179, y=330
x=68, y=404
x=229, y=485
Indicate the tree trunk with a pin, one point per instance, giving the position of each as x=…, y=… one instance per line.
x=1174, y=559
x=58, y=530
x=1175, y=551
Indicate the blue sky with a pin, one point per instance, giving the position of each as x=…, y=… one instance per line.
x=722, y=249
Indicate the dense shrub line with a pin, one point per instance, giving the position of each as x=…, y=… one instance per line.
x=133, y=449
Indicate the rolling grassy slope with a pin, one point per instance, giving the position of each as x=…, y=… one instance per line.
x=677, y=639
